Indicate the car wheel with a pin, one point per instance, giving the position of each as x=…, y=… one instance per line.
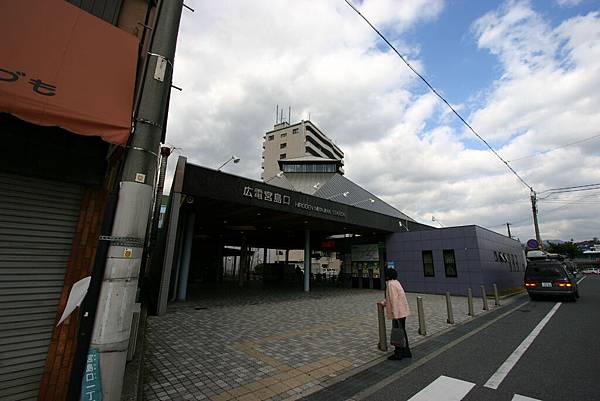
x=577, y=294
x=533, y=297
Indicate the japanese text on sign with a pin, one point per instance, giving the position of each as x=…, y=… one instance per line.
x=91, y=389
x=267, y=196
x=276, y=197
x=38, y=86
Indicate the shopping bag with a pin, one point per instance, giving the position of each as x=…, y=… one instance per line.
x=398, y=337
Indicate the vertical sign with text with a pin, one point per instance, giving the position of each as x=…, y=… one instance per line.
x=91, y=388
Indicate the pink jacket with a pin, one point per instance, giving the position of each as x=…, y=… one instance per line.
x=395, y=300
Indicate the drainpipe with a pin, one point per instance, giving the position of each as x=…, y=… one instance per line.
x=119, y=287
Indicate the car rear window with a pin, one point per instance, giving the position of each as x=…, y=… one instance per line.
x=544, y=270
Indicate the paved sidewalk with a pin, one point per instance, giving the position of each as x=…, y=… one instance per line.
x=272, y=345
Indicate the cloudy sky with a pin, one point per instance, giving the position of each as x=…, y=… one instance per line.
x=524, y=74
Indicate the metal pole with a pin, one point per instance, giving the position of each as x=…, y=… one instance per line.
x=382, y=331
x=422, y=326
x=535, y=219
x=496, y=295
x=307, y=260
x=470, y=302
x=484, y=298
x=164, y=156
x=450, y=319
x=188, y=239
x=118, y=293
x=508, y=228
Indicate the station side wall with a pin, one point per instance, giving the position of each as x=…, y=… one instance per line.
x=473, y=249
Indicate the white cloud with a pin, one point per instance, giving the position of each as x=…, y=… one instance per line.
x=237, y=60
x=568, y=3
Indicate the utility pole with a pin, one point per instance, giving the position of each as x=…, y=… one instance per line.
x=508, y=227
x=119, y=287
x=535, y=220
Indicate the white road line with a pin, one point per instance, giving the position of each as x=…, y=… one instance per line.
x=581, y=279
x=519, y=397
x=512, y=360
x=444, y=388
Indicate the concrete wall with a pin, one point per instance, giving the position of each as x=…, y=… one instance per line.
x=474, y=255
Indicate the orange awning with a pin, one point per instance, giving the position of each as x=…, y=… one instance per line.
x=60, y=66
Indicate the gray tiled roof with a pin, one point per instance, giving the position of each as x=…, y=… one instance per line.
x=309, y=183
x=332, y=186
x=337, y=185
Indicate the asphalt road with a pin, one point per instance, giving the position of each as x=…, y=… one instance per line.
x=562, y=363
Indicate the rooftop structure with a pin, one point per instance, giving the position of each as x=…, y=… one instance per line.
x=298, y=140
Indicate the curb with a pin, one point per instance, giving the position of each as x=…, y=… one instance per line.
x=431, y=342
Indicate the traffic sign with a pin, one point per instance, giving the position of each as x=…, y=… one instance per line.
x=532, y=244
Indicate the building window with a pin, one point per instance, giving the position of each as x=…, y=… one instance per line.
x=282, y=156
x=428, y=269
x=295, y=131
x=450, y=263
x=284, y=135
x=271, y=137
x=282, y=145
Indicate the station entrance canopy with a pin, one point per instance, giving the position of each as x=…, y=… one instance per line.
x=268, y=216
x=60, y=66
x=236, y=211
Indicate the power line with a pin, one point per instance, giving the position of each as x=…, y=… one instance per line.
x=576, y=186
x=574, y=201
x=558, y=147
x=571, y=190
x=440, y=96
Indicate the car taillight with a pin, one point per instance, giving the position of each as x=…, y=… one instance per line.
x=529, y=283
x=563, y=283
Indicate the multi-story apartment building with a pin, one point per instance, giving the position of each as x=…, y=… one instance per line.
x=287, y=141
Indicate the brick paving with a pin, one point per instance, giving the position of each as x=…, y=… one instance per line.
x=272, y=345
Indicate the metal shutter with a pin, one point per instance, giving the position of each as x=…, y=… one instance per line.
x=38, y=219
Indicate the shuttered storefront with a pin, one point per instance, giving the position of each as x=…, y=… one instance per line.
x=38, y=219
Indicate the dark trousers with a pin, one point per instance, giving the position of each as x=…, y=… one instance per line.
x=402, y=351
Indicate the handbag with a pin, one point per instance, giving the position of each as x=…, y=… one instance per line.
x=398, y=337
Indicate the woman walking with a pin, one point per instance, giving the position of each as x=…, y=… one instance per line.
x=397, y=310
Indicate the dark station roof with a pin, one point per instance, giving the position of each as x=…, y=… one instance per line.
x=230, y=207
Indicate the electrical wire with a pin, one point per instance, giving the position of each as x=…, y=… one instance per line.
x=553, y=149
x=440, y=96
x=576, y=186
x=570, y=191
x=567, y=203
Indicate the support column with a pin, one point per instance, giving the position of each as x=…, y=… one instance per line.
x=243, y=263
x=186, y=257
x=307, y=260
x=382, y=267
x=220, y=264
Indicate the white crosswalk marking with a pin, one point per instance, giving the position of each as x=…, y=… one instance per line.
x=444, y=388
x=519, y=397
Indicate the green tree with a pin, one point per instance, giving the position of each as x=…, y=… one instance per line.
x=566, y=248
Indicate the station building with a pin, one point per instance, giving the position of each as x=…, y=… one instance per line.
x=307, y=208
